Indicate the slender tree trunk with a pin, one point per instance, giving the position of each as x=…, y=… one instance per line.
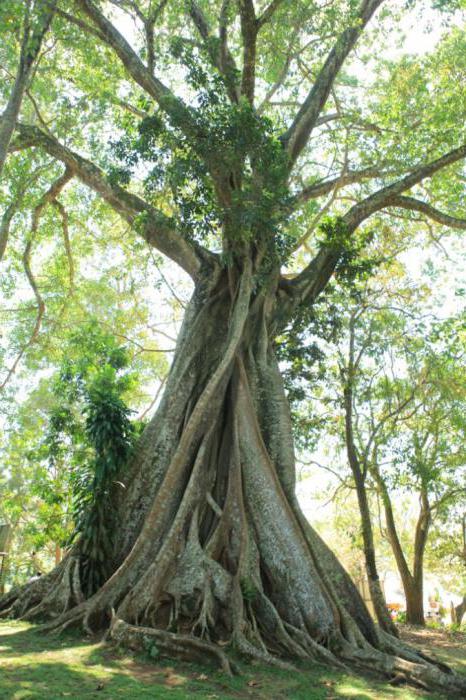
x=415, y=603
x=458, y=611
x=211, y=549
x=412, y=582
x=375, y=589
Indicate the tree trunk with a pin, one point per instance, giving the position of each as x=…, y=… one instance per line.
x=212, y=550
x=415, y=594
x=415, y=603
x=378, y=599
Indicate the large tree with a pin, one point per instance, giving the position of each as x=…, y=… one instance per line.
x=230, y=131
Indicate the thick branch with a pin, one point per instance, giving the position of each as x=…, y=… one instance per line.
x=79, y=23
x=157, y=228
x=306, y=287
x=5, y=223
x=299, y=132
x=319, y=189
x=388, y=196
x=268, y=13
x=311, y=281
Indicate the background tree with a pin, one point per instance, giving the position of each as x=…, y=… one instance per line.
x=427, y=453
x=207, y=169
x=396, y=390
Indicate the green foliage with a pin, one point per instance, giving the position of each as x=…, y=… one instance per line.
x=303, y=345
x=91, y=386
x=405, y=371
x=109, y=432
x=232, y=138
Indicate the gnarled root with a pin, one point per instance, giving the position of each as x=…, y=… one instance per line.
x=179, y=645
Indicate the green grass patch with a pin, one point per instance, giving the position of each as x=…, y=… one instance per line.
x=38, y=666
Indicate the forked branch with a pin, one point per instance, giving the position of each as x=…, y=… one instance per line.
x=309, y=283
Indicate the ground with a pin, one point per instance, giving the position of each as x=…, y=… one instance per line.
x=34, y=666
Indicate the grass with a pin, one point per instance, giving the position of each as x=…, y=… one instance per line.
x=34, y=666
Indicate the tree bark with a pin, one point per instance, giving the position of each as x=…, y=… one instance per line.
x=211, y=550
x=414, y=592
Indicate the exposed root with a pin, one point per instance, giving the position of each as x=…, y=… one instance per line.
x=183, y=646
x=71, y=618
x=21, y=600
x=59, y=598
x=315, y=650
x=397, y=647
x=252, y=652
x=421, y=673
